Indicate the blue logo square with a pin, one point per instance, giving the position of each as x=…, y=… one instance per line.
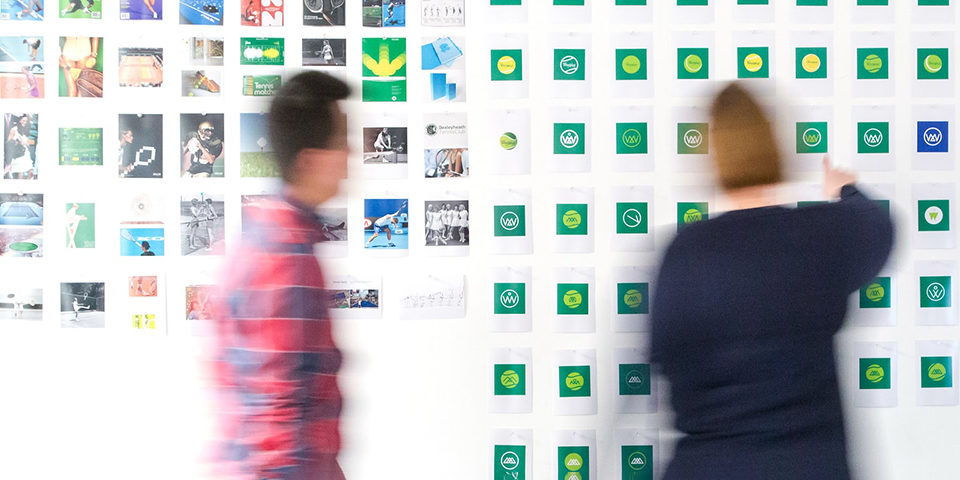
x=932, y=137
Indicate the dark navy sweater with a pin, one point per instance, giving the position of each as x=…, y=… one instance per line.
x=744, y=314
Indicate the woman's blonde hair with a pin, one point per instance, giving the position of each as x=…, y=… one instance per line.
x=744, y=149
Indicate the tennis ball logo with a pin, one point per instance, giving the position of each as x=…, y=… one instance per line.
x=936, y=292
x=937, y=372
x=508, y=141
x=692, y=138
x=692, y=215
x=632, y=298
x=637, y=461
x=271, y=53
x=933, y=63
x=631, y=138
x=569, y=138
x=873, y=137
x=810, y=62
x=571, y=219
x=569, y=64
x=573, y=462
x=753, y=63
x=572, y=299
x=693, y=63
x=875, y=292
x=874, y=373
x=506, y=64
x=812, y=137
x=574, y=381
x=509, y=461
x=630, y=64
x=509, y=379
x=872, y=63
x=933, y=214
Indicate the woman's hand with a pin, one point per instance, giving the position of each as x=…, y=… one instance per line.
x=834, y=178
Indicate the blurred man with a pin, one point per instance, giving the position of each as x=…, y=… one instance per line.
x=276, y=359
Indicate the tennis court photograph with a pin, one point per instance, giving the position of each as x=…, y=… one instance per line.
x=21, y=67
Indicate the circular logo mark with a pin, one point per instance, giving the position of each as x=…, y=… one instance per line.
x=573, y=462
x=572, y=476
x=872, y=63
x=574, y=381
x=875, y=292
x=431, y=129
x=933, y=63
x=936, y=292
x=873, y=137
x=693, y=63
x=509, y=298
x=630, y=64
x=692, y=138
x=874, y=373
x=509, y=221
x=506, y=65
x=509, y=379
x=509, y=460
x=692, y=215
x=753, y=63
x=812, y=137
x=634, y=379
x=633, y=298
x=571, y=219
x=631, y=138
x=933, y=214
x=937, y=372
x=569, y=138
x=637, y=461
x=810, y=62
x=632, y=218
x=569, y=65
x=932, y=136
x=572, y=299
x=508, y=141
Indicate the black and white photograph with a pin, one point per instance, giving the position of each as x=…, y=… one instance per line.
x=447, y=223
x=21, y=303
x=384, y=145
x=20, y=146
x=140, y=154
x=334, y=222
x=324, y=13
x=202, y=224
x=324, y=52
x=82, y=305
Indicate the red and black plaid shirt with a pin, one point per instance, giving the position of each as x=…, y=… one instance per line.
x=276, y=362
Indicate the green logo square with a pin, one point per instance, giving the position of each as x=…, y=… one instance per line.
x=509, y=379
x=572, y=219
x=636, y=462
x=935, y=292
x=936, y=372
x=506, y=2
x=692, y=138
x=575, y=381
x=509, y=298
x=573, y=299
x=876, y=294
x=932, y=63
x=633, y=298
x=632, y=217
x=874, y=374
x=753, y=62
x=506, y=65
x=573, y=463
x=812, y=137
x=569, y=138
x=569, y=64
x=631, y=138
x=693, y=63
x=630, y=2
x=509, y=461
x=631, y=63
x=753, y=2
x=933, y=3
x=509, y=221
x=812, y=3
x=873, y=137
x=811, y=62
x=691, y=212
x=934, y=215
x=692, y=3
x=873, y=2
x=568, y=2
x=634, y=379
x=872, y=64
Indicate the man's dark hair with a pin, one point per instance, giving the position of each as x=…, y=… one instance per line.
x=302, y=116
x=145, y=245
